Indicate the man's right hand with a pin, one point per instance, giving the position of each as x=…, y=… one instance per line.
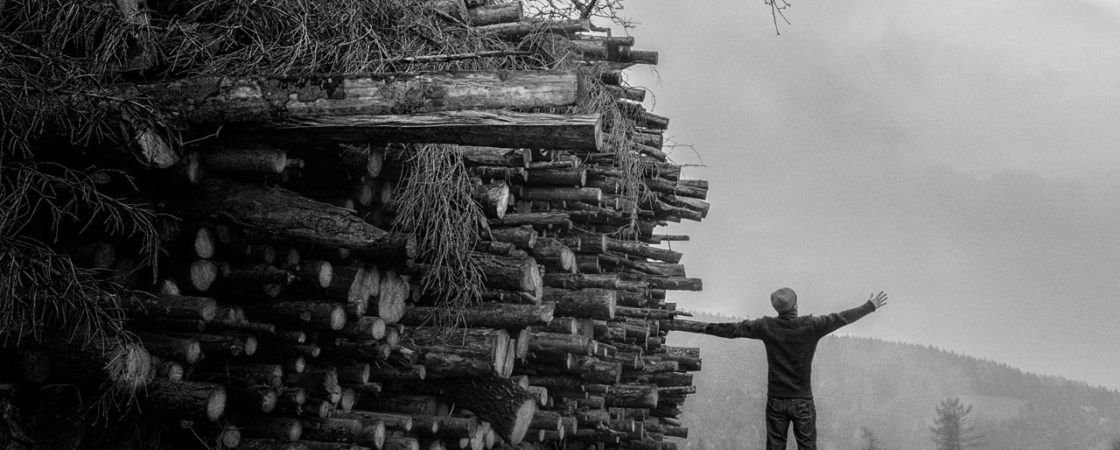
x=878, y=300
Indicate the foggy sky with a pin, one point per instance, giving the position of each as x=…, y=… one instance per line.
x=960, y=155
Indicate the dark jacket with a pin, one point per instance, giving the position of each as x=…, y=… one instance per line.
x=791, y=341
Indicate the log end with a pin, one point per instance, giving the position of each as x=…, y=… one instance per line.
x=216, y=403
x=338, y=318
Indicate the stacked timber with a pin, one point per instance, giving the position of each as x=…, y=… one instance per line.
x=285, y=312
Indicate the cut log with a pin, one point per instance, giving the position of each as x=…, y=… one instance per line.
x=554, y=253
x=289, y=216
x=186, y=399
x=524, y=237
x=266, y=161
x=517, y=30
x=536, y=219
x=515, y=274
x=587, y=303
x=494, y=198
x=344, y=430
x=644, y=251
x=269, y=427
x=223, y=100
x=552, y=193
x=297, y=314
x=582, y=133
x=391, y=302
x=505, y=405
x=172, y=306
x=314, y=275
x=631, y=396
x=668, y=283
x=178, y=349
x=492, y=315
x=365, y=327
x=560, y=343
x=494, y=13
x=580, y=280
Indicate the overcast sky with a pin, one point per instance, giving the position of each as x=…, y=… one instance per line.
x=963, y=156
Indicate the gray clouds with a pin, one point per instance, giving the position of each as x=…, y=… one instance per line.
x=960, y=155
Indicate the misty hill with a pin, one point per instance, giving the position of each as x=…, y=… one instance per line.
x=892, y=389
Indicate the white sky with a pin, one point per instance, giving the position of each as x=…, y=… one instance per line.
x=960, y=155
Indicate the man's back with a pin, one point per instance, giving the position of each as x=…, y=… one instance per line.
x=791, y=343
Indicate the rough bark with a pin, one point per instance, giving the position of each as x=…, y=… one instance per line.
x=587, y=303
x=582, y=133
x=505, y=405
x=492, y=315
x=186, y=399
x=221, y=100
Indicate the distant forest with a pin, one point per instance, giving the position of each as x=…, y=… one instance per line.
x=893, y=389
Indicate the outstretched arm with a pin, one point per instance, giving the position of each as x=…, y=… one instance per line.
x=727, y=330
x=832, y=322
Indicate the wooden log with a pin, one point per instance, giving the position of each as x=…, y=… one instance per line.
x=588, y=303
x=494, y=198
x=494, y=13
x=222, y=100
x=644, y=251
x=318, y=383
x=344, y=430
x=364, y=328
x=271, y=444
x=517, y=30
x=580, y=280
x=490, y=128
x=559, y=220
x=494, y=247
x=401, y=443
x=516, y=274
x=269, y=427
x=632, y=396
x=290, y=216
x=570, y=177
x=355, y=351
x=493, y=156
x=227, y=345
x=647, y=313
x=505, y=405
x=393, y=295
x=588, y=264
x=597, y=370
x=299, y=314
x=401, y=422
x=556, y=342
x=553, y=253
x=493, y=315
x=668, y=283
x=171, y=306
x=524, y=237
x=187, y=400
x=386, y=372
x=178, y=349
x=266, y=161
x=553, y=193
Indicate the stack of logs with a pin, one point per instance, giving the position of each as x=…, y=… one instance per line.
x=285, y=316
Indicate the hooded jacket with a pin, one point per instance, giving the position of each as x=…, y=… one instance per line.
x=791, y=342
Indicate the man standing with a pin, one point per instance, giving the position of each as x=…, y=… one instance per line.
x=791, y=342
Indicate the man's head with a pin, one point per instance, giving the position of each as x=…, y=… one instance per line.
x=784, y=301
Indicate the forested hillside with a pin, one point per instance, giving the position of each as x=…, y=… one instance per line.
x=892, y=389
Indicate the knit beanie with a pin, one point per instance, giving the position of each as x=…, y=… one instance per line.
x=784, y=300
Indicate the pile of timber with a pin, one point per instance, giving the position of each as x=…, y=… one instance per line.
x=285, y=315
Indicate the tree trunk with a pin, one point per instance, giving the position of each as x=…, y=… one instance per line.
x=222, y=100
x=344, y=430
x=631, y=396
x=581, y=280
x=178, y=349
x=493, y=128
x=668, y=283
x=517, y=30
x=573, y=177
x=491, y=14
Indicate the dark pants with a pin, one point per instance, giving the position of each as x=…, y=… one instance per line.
x=780, y=412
